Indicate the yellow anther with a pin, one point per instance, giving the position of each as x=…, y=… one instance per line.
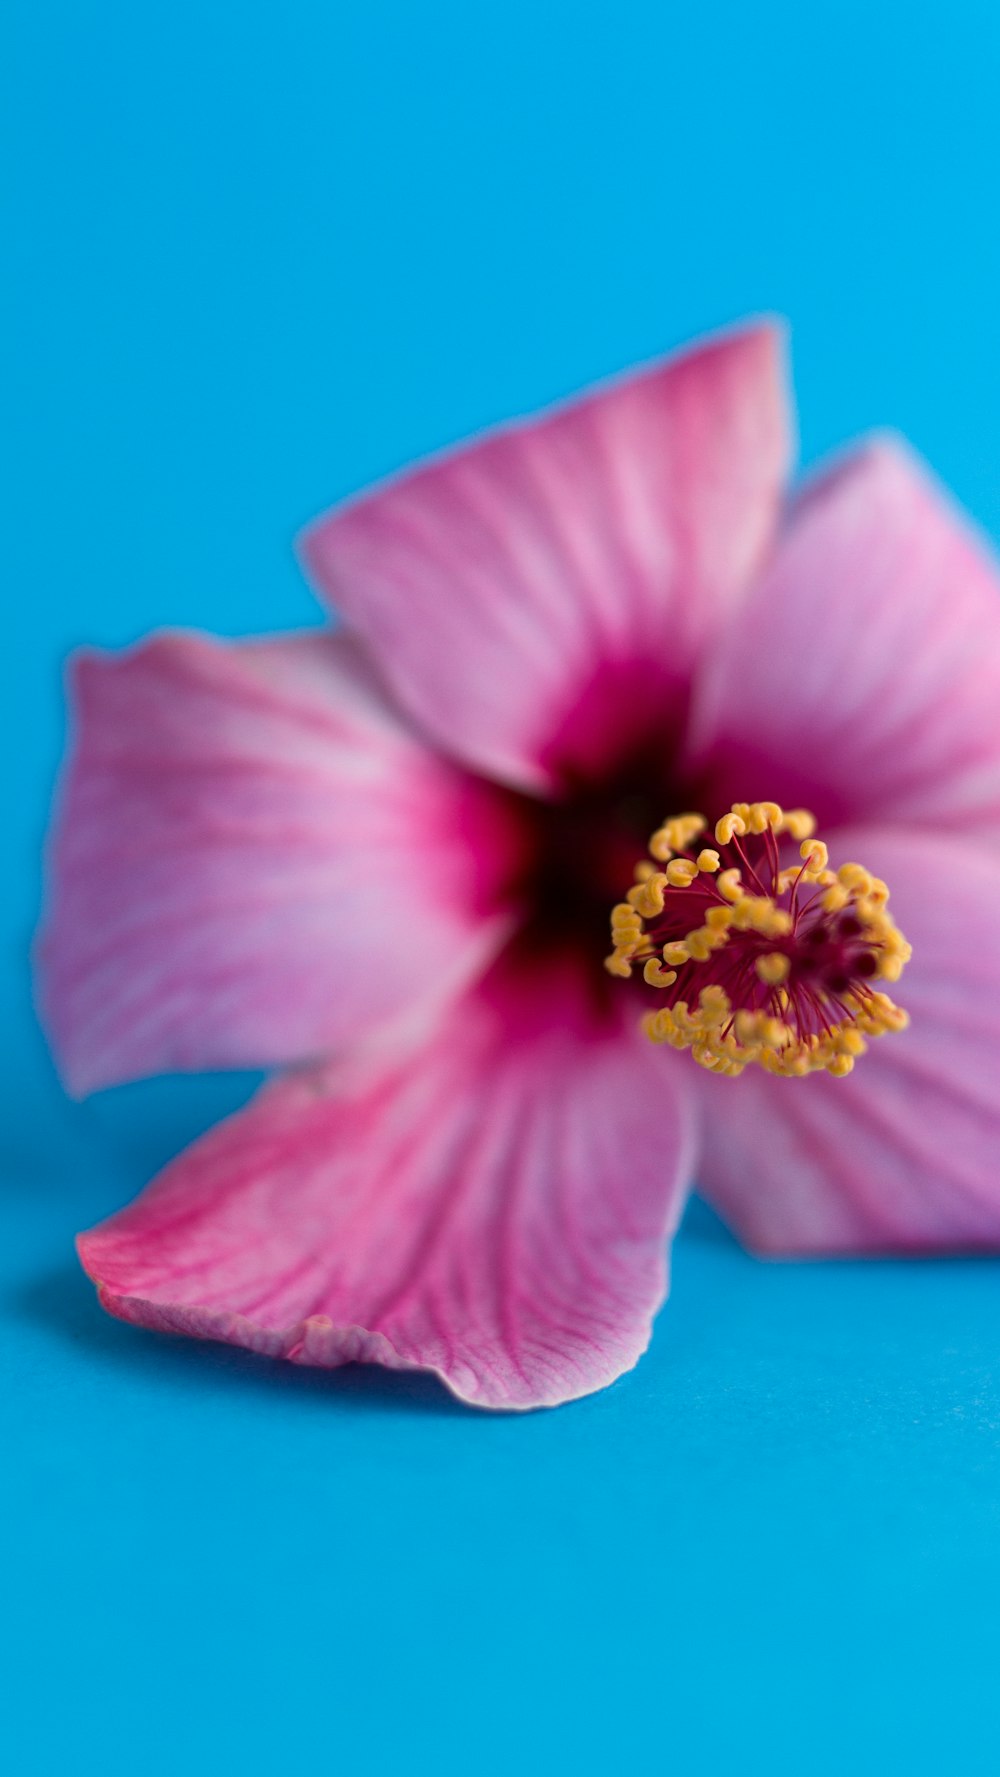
x=751, y=913
x=729, y=885
x=815, y=854
x=877, y=1014
x=687, y=827
x=773, y=967
x=773, y=814
x=896, y=944
x=714, y=1004
x=681, y=872
x=699, y=943
x=839, y=1065
x=855, y=878
x=647, y=897
x=676, y=953
x=623, y=914
x=644, y=869
x=708, y=861
x=798, y=1062
x=834, y=899
x=798, y=823
x=676, y=835
x=619, y=965
x=707, y=1055
x=779, y=924
x=728, y=827
x=719, y=919
x=654, y=976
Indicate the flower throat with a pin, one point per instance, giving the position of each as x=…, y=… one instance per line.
x=759, y=959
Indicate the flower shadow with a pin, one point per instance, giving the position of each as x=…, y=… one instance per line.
x=62, y=1303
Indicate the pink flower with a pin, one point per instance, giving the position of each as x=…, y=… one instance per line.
x=382, y=861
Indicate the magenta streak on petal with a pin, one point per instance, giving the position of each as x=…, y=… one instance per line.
x=494, y=1208
x=257, y=861
x=498, y=584
x=862, y=675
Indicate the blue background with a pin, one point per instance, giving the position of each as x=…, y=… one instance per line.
x=266, y=254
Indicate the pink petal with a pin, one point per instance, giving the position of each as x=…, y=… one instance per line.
x=862, y=676
x=534, y=596
x=495, y=1210
x=904, y=1155
x=255, y=860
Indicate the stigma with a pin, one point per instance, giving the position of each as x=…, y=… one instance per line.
x=762, y=952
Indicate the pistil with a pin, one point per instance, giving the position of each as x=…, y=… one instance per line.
x=759, y=958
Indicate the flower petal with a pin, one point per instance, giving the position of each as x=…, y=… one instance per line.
x=862, y=675
x=902, y=1156
x=533, y=596
x=495, y=1210
x=255, y=859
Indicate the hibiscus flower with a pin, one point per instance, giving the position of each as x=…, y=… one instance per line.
x=381, y=861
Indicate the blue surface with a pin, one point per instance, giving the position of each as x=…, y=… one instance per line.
x=270, y=253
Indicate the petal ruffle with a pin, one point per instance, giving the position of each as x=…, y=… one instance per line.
x=904, y=1154
x=254, y=860
x=862, y=675
x=495, y=1210
x=535, y=597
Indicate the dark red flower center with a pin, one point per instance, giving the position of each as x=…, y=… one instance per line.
x=605, y=824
